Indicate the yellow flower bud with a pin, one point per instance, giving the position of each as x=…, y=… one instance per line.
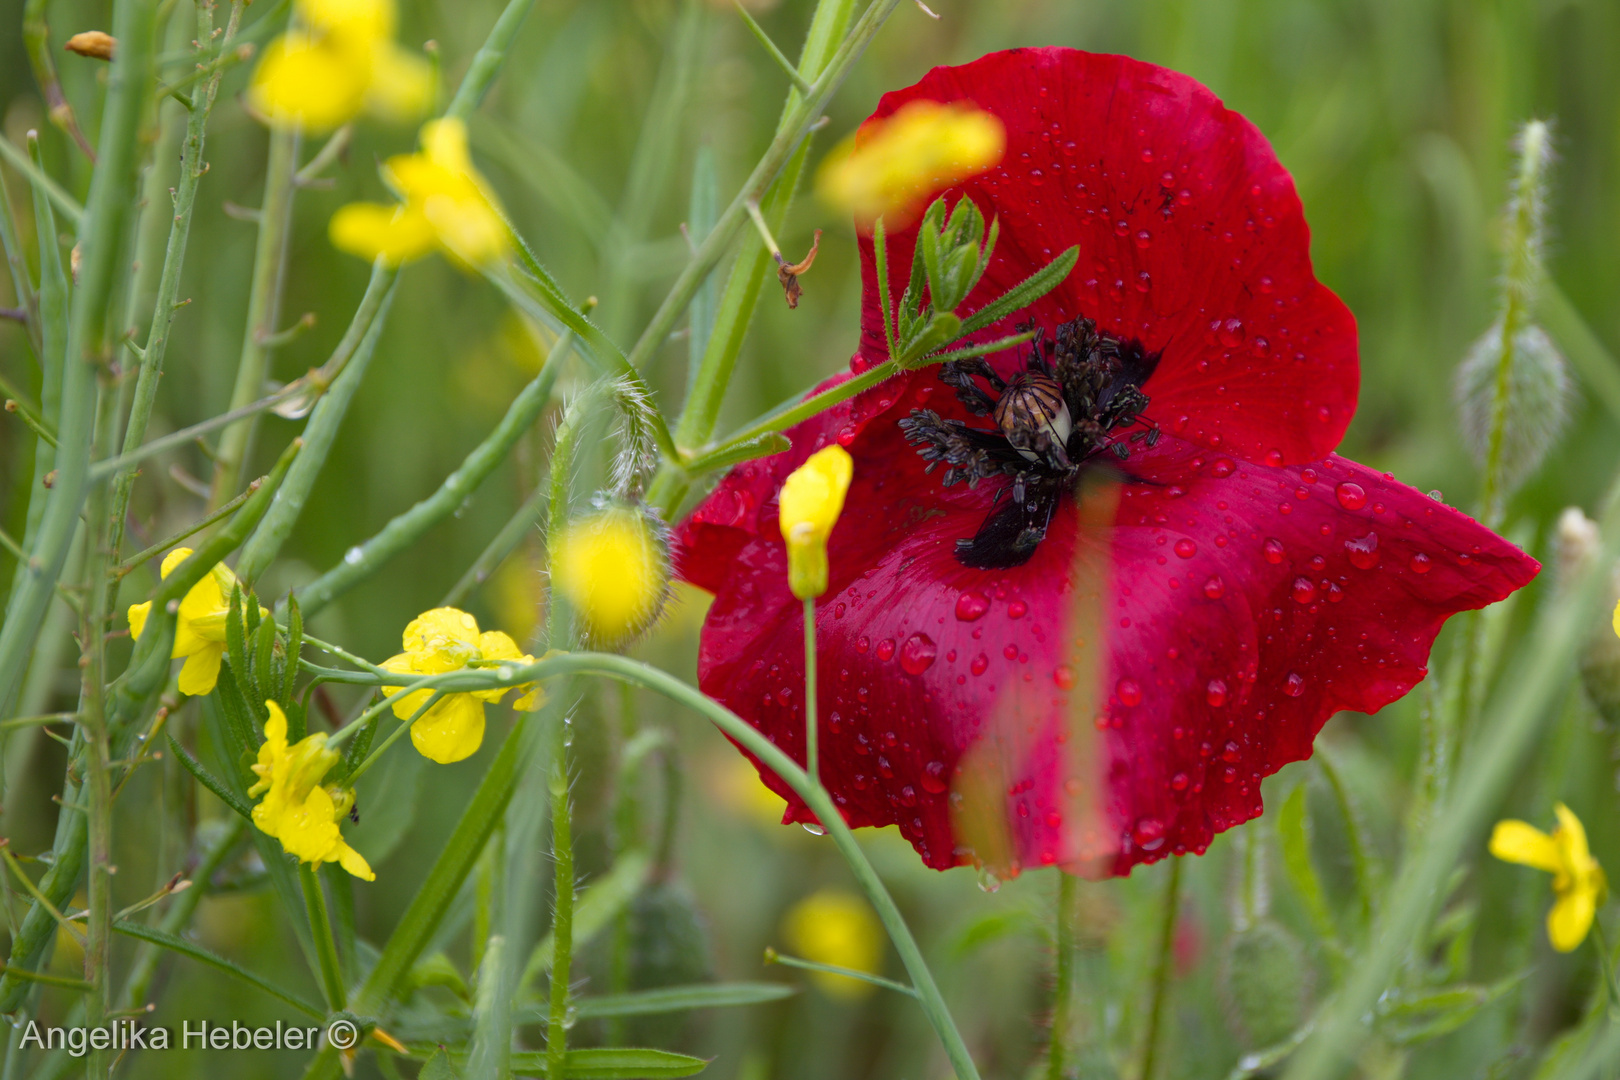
x=811, y=500
x=891, y=167
x=838, y=928
x=96, y=44
x=612, y=568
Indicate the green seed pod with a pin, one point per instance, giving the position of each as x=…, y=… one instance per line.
x=669, y=946
x=1535, y=405
x=1267, y=984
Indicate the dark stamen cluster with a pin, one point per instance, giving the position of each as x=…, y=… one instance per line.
x=1068, y=405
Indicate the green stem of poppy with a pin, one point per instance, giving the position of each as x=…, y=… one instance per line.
x=264, y=307
x=812, y=756
x=1063, y=997
x=1161, y=969
x=562, y=904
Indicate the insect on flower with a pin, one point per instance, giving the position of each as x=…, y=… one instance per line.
x=1085, y=594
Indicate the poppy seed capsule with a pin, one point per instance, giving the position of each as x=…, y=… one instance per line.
x=1035, y=419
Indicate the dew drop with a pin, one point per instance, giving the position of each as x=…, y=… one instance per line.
x=885, y=649
x=1231, y=751
x=863, y=644
x=353, y=556
x=846, y=435
x=917, y=654
x=1186, y=548
x=1421, y=563
x=1129, y=692
x=933, y=778
x=1222, y=468
x=1178, y=782
x=1273, y=550
x=1304, y=590
x=979, y=664
x=1063, y=675
x=1363, y=551
x=813, y=829
x=988, y=882
x=971, y=605
x=1274, y=458
x=1294, y=685
x=1215, y=588
x=1017, y=609
x=1351, y=496
x=1148, y=833
x=1231, y=333
x=1143, y=238
x=1215, y=693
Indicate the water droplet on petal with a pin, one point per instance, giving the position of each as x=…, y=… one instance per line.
x=1274, y=551
x=988, y=882
x=1304, y=590
x=971, y=605
x=1186, y=548
x=813, y=829
x=1274, y=458
x=1421, y=564
x=1063, y=675
x=1222, y=468
x=1017, y=609
x=1231, y=333
x=1215, y=693
x=1351, y=496
x=1215, y=588
x=885, y=649
x=862, y=644
x=979, y=664
x=1231, y=751
x=1294, y=685
x=917, y=654
x=933, y=778
x=1129, y=692
x=1148, y=833
x=1363, y=551
x=1178, y=782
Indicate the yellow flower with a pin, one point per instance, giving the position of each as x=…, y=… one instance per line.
x=891, y=167
x=199, y=634
x=610, y=566
x=446, y=204
x=1578, y=881
x=338, y=60
x=812, y=498
x=838, y=928
x=1616, y=620
x=444, y=640
x=296, y=809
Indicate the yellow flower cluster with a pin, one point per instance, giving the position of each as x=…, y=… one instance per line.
x=838, y=928
x=445, y=205
x=890, y=168
x=811, y=500
x=1578, y=881
x=338, y=60
x=445, y=640
x=199, y=635
x=611, y=567
x=296, y=809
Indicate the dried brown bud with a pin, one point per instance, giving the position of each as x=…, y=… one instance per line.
x=788, y=273
x=96, y=44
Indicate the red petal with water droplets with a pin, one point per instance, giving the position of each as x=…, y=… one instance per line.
x=1191, y=239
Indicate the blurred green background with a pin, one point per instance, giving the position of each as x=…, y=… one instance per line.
x=1395, y=117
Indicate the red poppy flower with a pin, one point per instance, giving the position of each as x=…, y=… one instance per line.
x=1238, y=581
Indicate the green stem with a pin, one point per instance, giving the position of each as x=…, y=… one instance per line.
x=65, y=203
x=506, y=541
x=192, y=169
x=802, y=112
x=459, y=486
x=1161, y=968
x=562, y=904
x=1063, y=998
x=487, y=62
x=37, y=41
x=343, y=371
x=134, y=561
x=764, y=39
x=264, y=307
x=812, y=757
x=325, y=945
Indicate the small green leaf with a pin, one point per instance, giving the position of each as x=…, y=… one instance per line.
x=295, y=648
x=209, y=780
x=1025, y=293
x=1296, y=852
x=264, y=681
x=941, y=329
x=613, y=1064
x=438, y=1067
x=680, y=998
x=235, y=638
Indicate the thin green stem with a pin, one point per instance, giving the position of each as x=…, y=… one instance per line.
x=1165, y=958
x=880, y=265
x=185, y=436
x=152, y=355
x=20, y=410
x=774, y=957
x=487, y=62
x=1063, y=997
x=505, y=542
x=812, y=757
x=134, y=561
x=764, y=39
x=393, y=737
x=562, y=904
x=66, y=204
x=325, y=944
x=264, y=307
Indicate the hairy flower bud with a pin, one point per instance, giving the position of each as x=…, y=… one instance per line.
x=612, y=566
x=1267, y=982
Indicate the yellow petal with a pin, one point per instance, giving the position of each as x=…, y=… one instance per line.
x=610, y=566
x=812, y=498
x=894, y=165
x=138, y=614
x=355, y=863
x=401, y=84
x=452, y=730
x=1571, y=838
x=275, y=728
x=468, y=227
x=444, y=142
x=444, y=629
x=310, y=81
x=1523, y=843
x=1571, y=918
x=174, y=559
x=201, y=671
x=358, y=20
x=405, y=707
x=395, y=234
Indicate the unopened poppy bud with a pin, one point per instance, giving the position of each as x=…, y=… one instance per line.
x=812, y=498
x=612, y=567
x=96, y=44
x=1267, y=983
